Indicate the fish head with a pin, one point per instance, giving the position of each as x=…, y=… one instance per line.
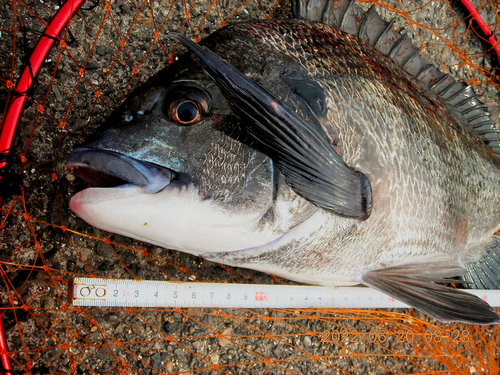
x=168, y=121
x=167, y=168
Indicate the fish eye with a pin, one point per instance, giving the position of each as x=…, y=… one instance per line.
x=186, y=112
x=187, y=105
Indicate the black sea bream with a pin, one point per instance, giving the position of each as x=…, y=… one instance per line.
x=296, y=149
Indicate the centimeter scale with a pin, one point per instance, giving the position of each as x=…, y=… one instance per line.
x=129, y=293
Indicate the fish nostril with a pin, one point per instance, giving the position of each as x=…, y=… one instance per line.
x=143, y=104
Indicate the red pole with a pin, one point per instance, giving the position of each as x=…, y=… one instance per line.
x=11, y=118
x=9, y=123
x=484, y=27
x=4, y=354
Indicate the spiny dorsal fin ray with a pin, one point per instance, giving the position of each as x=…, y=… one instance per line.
x=345, y=15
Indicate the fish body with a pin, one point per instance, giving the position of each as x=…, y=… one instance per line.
x=293, y=148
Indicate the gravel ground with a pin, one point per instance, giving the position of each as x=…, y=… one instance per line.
x=50, y=336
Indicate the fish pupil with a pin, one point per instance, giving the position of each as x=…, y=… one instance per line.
x=187, y=112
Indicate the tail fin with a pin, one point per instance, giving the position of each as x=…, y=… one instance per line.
x=345, y=15
x=485, y=274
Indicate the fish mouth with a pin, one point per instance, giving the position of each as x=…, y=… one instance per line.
x=103, y=168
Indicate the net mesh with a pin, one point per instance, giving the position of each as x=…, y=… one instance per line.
x=109, y=48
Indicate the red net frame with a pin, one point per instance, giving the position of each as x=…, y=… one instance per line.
x=8, y=129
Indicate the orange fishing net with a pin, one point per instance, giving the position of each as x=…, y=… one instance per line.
x=109, y=48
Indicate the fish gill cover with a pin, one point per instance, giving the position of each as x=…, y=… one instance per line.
x=108, y=50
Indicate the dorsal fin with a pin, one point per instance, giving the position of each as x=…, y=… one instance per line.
x=346, y=16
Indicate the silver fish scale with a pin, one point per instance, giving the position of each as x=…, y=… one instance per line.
x=223, y=171
x=435, y=186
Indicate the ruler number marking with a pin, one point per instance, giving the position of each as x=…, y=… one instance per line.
x=115, y=292
x=261, y=296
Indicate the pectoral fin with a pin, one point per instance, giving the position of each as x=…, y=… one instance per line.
x=310, y=92
x=415, y=284
x=300, y=150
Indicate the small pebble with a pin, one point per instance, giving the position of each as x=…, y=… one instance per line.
x=57, y=92
x=277, y=350
x=48, y=303
x=169, y=366
x=307, y=341
x=214, y=358
x=138, y=328
x=112, y=318
x=223, y=341
x=100, y=50
x=156, y=361
x=104, y=250
x=197, y=345
x=86, y=254
x=179, y=353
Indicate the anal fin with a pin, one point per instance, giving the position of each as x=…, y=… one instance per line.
x=416, y=285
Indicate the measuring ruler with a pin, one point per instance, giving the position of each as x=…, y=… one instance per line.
x=128, y=293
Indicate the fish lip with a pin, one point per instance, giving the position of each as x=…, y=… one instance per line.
x=90, y=164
